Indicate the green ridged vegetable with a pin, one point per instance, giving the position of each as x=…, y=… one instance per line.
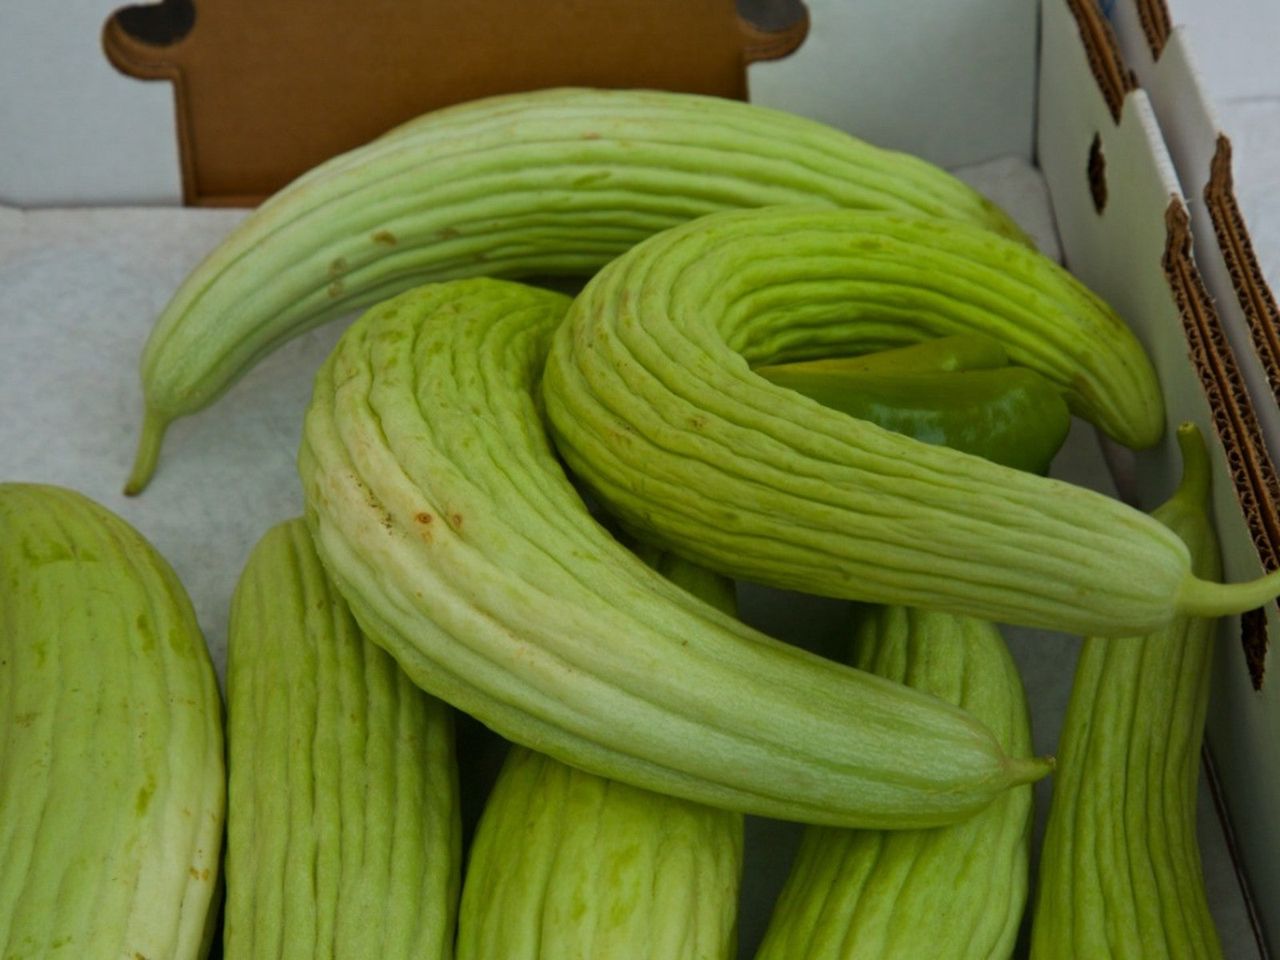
x=956, y=892
x=1120, y=871
x=112, y=783
x=652, y=403
x=568, y=864
x=542, y=183
x=440, y=510
x=343, y=833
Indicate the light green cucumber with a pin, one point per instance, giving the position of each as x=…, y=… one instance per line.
x=568, y=864
x=652, y=402
x=112, y=785
x=440, y=510
x=1120, y=872
x=551, y=182
x=956, y=892
x=343, y=832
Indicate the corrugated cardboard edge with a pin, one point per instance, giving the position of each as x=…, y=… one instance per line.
x=1114, y=78
x=1253, y=293
x=1156, y=25
x=1253, y=474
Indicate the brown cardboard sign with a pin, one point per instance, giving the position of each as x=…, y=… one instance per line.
x=266, y=91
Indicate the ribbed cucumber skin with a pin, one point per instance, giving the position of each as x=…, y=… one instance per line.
x=1120, y=872
x=956, y=892
x=548, y=182
x=344, y=835
x=567, y=864
x=440, y=510
x=112, y=783
x=792, y=282
x=652, y=404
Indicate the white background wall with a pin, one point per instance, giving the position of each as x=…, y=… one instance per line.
x=72, y=129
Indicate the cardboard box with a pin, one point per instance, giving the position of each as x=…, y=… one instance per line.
x=989, y=86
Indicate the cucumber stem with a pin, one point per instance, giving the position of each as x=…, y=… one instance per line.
x=144, y=461
x=1197, y=471
x=1028, y=769
x=1204, y=598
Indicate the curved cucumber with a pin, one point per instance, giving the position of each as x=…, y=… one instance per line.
x=343, y=832
x=1120, y=872
x=552, y=182
x=440, y=509
x=112, y=788
x=652, y=403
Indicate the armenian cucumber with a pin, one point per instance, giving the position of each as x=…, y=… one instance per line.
x=957, y=892
x=652, y=403
x=112, y=784
x=439, y=508
x=343, y=831
x=550, y=182
x=1120, y=872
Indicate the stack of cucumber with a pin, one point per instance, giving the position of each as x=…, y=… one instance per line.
x=797, y=360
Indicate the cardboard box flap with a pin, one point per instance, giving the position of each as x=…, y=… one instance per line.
x=263, y=95
x=1202, y=157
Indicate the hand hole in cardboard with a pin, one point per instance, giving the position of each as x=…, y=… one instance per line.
x=1096, y=171
x=158, y=24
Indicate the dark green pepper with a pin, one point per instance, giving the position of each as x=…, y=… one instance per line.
x=955, y=391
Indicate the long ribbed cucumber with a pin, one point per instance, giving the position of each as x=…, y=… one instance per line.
x=549, y=182
x=343, y=830
x=1120, y=872
x=440, y=510
x=112, y=783
x=651, y=401
x=567, y=864
x=955, y=892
